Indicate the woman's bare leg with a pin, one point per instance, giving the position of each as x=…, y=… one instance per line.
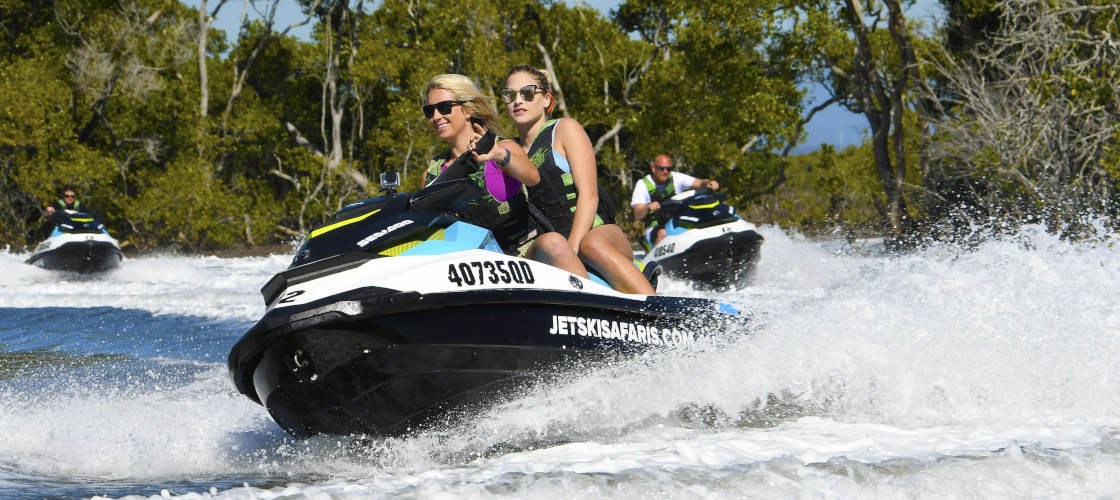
x=607, y=251
x=553, y=249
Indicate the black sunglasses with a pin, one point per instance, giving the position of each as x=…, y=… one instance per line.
x=444, y=107
x=69, y=196
x=663, y=168
x=527, y=93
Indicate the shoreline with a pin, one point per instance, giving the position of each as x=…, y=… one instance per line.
x=263, y=250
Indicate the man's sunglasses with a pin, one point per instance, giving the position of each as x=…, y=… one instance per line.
x=527, y=93
x=663, y=168
x=69, y=196
x=444, y=108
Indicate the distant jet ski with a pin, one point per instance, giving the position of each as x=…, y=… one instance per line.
x=394, y=314
x=706, y=242
x=78, y=243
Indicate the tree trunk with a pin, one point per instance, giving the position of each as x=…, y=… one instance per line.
x=203, y=83
x=883, y=106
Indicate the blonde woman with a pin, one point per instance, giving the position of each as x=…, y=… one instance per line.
x=568, y=191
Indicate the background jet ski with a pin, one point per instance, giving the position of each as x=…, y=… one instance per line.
x=394, y=314
x=77, y=243
x=705, y=242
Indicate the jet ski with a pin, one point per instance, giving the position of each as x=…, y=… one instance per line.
x=78, y=243
x=706, y=243
x=396, y=316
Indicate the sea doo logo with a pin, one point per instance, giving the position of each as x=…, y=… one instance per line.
x=575, y=282
x=369, y=239
x=621, y=330
x=664, y=249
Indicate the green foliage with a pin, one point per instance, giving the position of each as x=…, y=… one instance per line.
x=826, y=190
x=112, y=104
x=185, y=206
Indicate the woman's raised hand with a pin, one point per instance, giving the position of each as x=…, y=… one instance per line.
x=482, y=144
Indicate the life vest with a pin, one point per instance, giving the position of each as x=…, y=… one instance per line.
x=555, y=196
x=658, y=194
x=508, y=220
x=77, y=205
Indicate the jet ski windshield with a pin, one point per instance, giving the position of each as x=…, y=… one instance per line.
x=368, y=226
x=698, y=193
x=445, y=196
x=78, y=223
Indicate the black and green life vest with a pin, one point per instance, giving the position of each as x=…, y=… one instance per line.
x=508, y=220
x=555, y=195
x=77, y=205
x=658, y=194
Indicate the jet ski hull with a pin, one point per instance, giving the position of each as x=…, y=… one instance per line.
x=81, y=256
x=381, y=362
x=705, y=243
x=720, y=262
x=394, y=316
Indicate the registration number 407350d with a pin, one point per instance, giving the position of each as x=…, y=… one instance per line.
x=494, y=272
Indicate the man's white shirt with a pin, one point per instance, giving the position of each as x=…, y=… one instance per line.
x=681, y=183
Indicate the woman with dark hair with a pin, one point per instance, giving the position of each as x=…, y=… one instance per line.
x=568, y=192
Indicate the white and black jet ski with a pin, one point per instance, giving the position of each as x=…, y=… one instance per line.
x=394, y=315
x=78, y=243
x=706, y=242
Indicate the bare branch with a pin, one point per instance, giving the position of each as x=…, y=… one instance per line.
x=1017, y=117
x=301, y=140
x=557, y=91
x=608, y=136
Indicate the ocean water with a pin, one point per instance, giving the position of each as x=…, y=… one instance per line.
x=992, y=371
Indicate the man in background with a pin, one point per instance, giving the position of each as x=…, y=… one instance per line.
x=68, y=201
x=661, y=184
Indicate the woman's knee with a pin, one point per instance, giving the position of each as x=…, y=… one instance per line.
x=598, y=250
x=554, y=245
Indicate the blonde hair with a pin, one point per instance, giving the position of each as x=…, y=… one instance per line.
x=475, y=103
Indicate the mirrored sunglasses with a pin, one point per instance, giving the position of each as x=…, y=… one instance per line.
x=527, y=93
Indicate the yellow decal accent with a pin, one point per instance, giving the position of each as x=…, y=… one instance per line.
x=339, y=224
x=710, y=205
x=401, y=247
x=81, y=220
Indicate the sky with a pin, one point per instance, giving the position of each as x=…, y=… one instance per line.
x=833, y=125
